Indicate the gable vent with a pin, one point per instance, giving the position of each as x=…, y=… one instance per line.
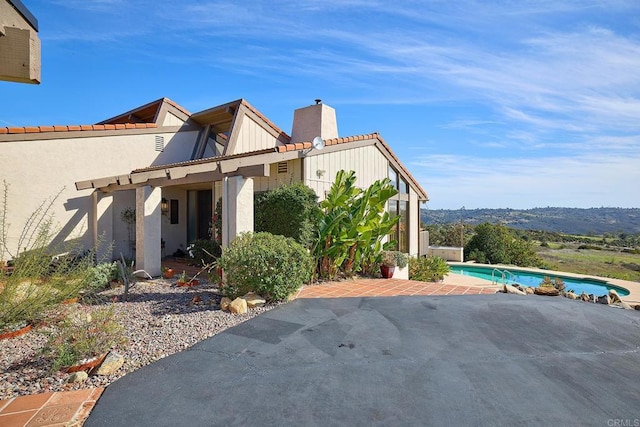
x=160, y=143
x=283, y=167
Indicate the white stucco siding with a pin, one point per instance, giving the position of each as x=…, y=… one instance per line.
x=40, y=169
x=368, y=163
x=252, y=137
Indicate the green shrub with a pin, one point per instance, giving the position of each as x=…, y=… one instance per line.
x=101, y=275
x=272, y=266
x=288, y=211
x=82, y=335
x=204, y=251
x=429, y=269
x=497, y=244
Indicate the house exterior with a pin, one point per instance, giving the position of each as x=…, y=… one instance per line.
x=19, y=43
x=172, y=167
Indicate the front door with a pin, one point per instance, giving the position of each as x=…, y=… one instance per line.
x=199, y=214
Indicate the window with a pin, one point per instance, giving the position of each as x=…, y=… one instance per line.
x=403, y=226
x=399, y=206
x=174, y=209
x=393, y=177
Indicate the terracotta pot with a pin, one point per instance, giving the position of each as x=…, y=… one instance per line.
x=85, y=366
x=70, y=300
x=387, y=272
x=194, y=282
x=168, y=273
x=16, y=333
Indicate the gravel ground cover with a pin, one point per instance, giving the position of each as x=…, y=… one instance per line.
x=159, y=319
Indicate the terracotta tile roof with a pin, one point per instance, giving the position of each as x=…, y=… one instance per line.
x=345, y=140
x=73, y=128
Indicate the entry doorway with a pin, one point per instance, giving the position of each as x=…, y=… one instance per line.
x=199, y=214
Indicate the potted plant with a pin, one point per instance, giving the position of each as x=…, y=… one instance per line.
x=391, y=260
x=387, y=264
x=184, y=280
x=167, y=272
x=82, y=340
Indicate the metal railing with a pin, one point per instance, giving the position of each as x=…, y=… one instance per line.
x=505, y=276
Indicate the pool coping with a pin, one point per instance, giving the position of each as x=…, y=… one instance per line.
x=632, y=287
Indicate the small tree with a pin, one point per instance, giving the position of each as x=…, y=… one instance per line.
x=496, y=244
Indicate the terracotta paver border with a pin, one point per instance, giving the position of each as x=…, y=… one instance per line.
x=391, y=287
x=68, y=408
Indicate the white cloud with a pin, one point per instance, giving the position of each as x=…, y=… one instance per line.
x=581, y=181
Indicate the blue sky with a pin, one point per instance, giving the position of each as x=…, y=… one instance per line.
x=514, y=104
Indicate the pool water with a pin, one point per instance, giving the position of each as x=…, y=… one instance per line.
x=527, y=278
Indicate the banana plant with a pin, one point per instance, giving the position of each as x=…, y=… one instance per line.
x=351, y=226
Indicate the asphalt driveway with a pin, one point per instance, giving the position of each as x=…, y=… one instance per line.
x=447, y=360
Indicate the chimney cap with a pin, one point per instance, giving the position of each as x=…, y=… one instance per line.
x=318, y=101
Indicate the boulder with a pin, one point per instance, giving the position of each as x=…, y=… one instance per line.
x=78, y=377
x=571, y=295
x=584, y=297
x=513, y=290
x=224, y=303
x=254, y=300
x=546, y=290
x=238, y=306
x=614, y=296
x=637, y=307
x=529, y=290
x=111, y=364
x=604, y=299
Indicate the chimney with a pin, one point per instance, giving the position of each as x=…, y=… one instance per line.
x=314, y=120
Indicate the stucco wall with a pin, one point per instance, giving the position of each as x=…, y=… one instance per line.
x=39, y=169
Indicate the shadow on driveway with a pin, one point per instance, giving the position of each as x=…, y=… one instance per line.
x=449, y=360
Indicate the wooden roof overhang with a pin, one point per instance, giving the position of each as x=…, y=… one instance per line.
x=210, y=169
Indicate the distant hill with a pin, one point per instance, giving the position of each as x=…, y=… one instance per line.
x=564, y=220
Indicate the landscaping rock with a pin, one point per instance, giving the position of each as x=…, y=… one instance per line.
x=637, y=307
x=604, y=299
x=546, y=290
x=111, y=364
x=529, y=290
x=593, y=298
x=78, y=377
x=615, y=297
x=224, y=303
x=513, y=290
x=238, y=306
x=571, y=295
x=584, y=297
x=254, y=300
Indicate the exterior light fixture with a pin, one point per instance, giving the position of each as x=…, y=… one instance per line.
x=164, y=205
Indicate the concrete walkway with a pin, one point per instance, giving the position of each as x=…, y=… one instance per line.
x=421, y=360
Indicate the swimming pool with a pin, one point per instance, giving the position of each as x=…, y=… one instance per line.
x=528, y=278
